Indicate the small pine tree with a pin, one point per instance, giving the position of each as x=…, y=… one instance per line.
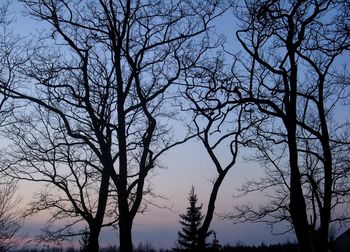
x=190, y=221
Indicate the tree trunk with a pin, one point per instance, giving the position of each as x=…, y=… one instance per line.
x=299, y=218
x=93, y=245
x=325, y=212
x=96, y=223
x=125, y=218
x=298, y=210
x=125, y=238
x=202, y=232
x=297, y=204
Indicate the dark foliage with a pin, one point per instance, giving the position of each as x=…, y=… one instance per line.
x=190, y=221
x=262, y=248
x=288, y=247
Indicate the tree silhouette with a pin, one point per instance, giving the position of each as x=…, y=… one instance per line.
x=190, y=221
x=9, y=60
x=103, y=72
x=208, y=123
x=294, y=83
x=11, y=218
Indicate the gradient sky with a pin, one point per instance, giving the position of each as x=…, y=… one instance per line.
x=187, y=165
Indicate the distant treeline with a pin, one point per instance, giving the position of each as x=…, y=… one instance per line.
x=262, y=248
x=289, y=247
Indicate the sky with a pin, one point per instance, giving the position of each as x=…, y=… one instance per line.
x=185, y=166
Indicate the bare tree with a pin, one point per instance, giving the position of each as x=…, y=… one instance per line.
x=9, y=50
x=11, y=218
x=292, y=80
x=70, y=174
x=220, y=129
x=105, y=70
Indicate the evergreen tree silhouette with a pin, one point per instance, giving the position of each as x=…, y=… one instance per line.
x=190, y=221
